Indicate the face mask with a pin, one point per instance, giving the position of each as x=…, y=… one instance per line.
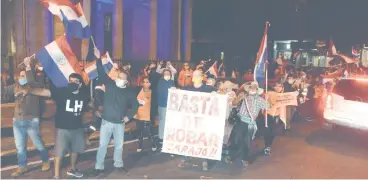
x=22, y=82
x=291, y=81
x=40, y=68
x=121, y=83
x=252, y=93
x=197, y=80
x=73, y=87
x=167, y=78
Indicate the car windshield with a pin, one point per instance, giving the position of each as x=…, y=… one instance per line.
x=354, y=90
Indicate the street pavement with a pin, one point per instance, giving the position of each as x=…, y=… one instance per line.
x=308, y=151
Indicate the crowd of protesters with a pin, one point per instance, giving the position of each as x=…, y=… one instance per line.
x=118, y=101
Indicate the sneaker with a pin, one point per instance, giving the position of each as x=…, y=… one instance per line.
x=204, y=166
x=267, y=151
x=97, y=172
x=139, y=150
x=121, y=170
x=74, y=173
x=154, y=146
x=228, y=159
x=181, y=164
x=45, y=166
x=56, y=177
x=19, y=171
x=245, y=163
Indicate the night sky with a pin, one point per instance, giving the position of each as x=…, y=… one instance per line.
x=240, y=23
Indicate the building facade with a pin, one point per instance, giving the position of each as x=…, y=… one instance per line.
x=132, y=30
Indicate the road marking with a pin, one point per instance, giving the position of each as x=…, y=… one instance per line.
x=51, y=159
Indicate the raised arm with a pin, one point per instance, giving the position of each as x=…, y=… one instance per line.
x=100, y=70
x=31, y=80
x=40, y=92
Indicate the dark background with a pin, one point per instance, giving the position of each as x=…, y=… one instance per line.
x=239, y=24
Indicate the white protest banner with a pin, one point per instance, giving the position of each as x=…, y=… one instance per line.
x=287, y=99
x=195, y=123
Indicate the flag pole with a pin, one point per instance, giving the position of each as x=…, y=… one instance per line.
x=266, y=78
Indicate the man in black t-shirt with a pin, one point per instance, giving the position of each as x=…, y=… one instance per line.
x=71, y=103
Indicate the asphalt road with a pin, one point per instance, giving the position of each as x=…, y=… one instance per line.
x=306, y=152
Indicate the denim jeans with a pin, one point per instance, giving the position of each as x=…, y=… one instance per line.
x=108, y=129
x=21, y=129
x=162, y=120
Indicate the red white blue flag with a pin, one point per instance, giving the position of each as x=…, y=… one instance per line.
x=213, y=70
x=59, y=61
x=260, y=64
x=91, y=69
x=71, y=13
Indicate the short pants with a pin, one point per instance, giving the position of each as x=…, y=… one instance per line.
x=71, y=139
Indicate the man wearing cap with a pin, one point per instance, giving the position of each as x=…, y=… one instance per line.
x=251, y=103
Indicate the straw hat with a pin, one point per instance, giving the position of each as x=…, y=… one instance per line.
x=253, y=84
x=229, y=85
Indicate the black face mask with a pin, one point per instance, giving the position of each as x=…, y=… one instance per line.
x=72, y=87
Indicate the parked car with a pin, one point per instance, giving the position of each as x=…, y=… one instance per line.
x=347, y=104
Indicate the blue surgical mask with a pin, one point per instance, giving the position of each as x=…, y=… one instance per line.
x=22, y=82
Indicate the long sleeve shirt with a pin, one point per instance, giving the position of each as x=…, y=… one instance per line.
x=27, y=107
x=170, y=67
x=116, y=100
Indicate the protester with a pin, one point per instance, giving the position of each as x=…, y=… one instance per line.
x=185, y=76
x=154, y=78
x=71, y=103
x=115, y=114
x=290, y=110
x=245, y=130
x=143, y=116
x=166, y=65
x=26, y=119
x=227, y=88
x=163, y=87
x=198, y=86
x=272, y=116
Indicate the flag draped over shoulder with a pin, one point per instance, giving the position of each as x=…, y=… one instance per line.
x=59, y=61
x=262, y=56
x=71, y=13
x=91, y=68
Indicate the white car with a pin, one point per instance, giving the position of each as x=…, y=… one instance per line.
x=347, y=104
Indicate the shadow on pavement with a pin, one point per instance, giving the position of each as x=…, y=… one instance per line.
x=332, y=140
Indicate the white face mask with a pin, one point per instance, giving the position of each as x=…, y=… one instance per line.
x=121, y=83
x=252, y=93
x=40, y=68
x=291, y=81
x=167, y=78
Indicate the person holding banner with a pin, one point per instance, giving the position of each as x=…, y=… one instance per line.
x=251, y=104
x=272, y=116
x=198, y=86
